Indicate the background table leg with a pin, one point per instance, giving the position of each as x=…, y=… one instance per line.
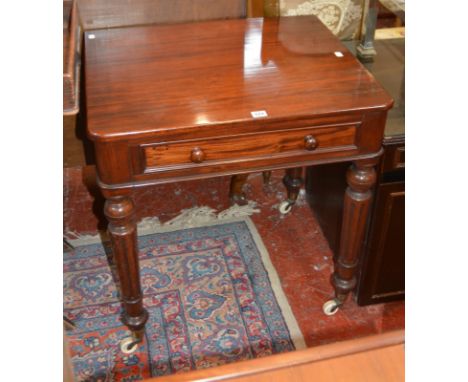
x=236, y=194
x=266, y=177
x=365, y=50
x=119, y=210
x=293, y=182
x=361, y=177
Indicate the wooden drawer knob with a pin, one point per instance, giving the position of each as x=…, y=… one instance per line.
x=197, y=155
x=310, y=142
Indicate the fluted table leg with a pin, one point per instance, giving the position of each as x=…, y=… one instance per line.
x=360, y=177
x=120, y=212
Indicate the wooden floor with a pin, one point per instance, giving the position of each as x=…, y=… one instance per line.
x=382, y=365
x=373, y=358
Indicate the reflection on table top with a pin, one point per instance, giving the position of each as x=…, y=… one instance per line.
x=388, y=68
x=144, y=79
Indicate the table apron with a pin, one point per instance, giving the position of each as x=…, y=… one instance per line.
x=155, y=180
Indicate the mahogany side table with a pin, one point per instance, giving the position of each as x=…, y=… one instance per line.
x=176, y=102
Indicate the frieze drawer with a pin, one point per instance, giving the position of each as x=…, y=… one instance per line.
x=171, y=155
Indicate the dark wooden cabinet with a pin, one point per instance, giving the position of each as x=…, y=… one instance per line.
x=382, y=273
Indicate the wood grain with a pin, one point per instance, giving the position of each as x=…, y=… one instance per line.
x=249, y=145
x=120, y=212
x=361, y=177
x=202, y=74
x=383, y=365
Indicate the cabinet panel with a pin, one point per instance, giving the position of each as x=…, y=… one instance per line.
x=383, y=269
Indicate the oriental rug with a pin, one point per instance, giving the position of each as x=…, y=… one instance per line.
x=212, y=295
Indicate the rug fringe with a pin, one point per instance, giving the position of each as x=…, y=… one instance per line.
x=188, y=218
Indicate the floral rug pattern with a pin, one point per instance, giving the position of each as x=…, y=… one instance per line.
x=208, y=295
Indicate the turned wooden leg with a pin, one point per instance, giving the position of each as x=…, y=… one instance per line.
x=365, y=50
x=360, y=177
x=236, y=195
x=293, y=182
x=266, y=177
x=119, y=211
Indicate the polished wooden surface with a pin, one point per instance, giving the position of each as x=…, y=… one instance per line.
x=110, y=13
x=361, y=178
x=383, y=365
x=177, y=102
x=157, y=93
x=259, y=144
x=373, y=358
x=120, y=212
x=203, y=74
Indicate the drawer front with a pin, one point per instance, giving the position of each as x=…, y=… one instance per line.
x=198, y=152
x=394, y=158
x=399, y=157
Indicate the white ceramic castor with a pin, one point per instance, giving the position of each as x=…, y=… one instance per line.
x=285, y=207
x=128, y=345
x=331, y=307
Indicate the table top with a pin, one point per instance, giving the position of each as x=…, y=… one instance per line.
x=145, y=79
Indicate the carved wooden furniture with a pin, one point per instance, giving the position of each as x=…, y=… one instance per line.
x=176, y=102
x=381, y=275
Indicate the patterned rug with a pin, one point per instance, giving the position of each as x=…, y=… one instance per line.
x=212, y=295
